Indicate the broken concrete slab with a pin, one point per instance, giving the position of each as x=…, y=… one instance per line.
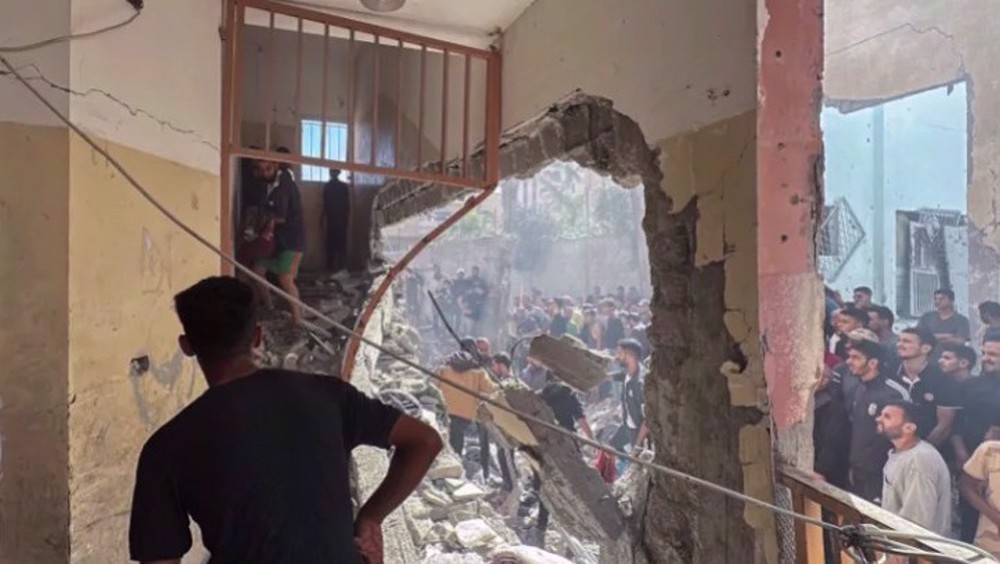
x=468, y=492
x=476, y=534
x=570, y=361
x=447, y=465
x=522, y=554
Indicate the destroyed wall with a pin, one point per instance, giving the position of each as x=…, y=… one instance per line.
x=96, y=290
x=699, y=111
x=913, y=47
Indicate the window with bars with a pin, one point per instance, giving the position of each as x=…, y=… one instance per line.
x=312, y=146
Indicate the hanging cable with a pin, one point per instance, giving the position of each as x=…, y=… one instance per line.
x=73, y=36
x=665, y=470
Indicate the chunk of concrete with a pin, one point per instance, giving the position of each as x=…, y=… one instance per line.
x=525, y=555
x=468, y=492
x=570, y=361
x=447, y=465
x=475, y=534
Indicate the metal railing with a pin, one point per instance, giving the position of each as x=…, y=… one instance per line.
x=357, y=38
x=812, y=497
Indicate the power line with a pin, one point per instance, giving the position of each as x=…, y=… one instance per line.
x=72, y=36
x=677, y=474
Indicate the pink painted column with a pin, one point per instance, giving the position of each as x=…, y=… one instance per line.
x=789, y=199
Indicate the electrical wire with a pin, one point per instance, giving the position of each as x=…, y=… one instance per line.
x=70, y=37
x=665, y=470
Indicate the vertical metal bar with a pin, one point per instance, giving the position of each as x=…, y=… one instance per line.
x=350, y=99
x=375, y=80
x=397, y=149
x=237, y=76
x=269, y=98
x=322, y=112
x=465, y=119
x=444, y=113
x=492, y=143
x=420, y=111
x=298, y=92
x=227, y=234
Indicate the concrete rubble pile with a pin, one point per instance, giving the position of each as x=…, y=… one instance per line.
x=318, y=348
x=450, y=516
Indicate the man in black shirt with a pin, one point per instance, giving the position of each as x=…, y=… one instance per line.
x=569, y=415
x=260, y=460
x=980, y=400
x=284, y=204
x=869, y=450
x=927, y=385
x=831, y=436
x=335, y=218
x=614, y=329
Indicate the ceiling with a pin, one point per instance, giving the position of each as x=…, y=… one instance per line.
x=471, y=22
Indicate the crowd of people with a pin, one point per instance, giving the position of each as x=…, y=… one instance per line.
x=613, y=324
x=906, y=420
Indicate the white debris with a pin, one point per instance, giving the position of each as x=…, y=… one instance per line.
x=525, y=555
x=475, y=534
x=468, y=492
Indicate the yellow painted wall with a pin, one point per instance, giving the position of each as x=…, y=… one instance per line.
x=126, y=263
x=33, y=296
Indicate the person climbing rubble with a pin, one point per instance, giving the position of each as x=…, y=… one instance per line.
x=260, y=460
x=283, y=204
x=465, y=369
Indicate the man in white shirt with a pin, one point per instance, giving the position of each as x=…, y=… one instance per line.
x=917, y=484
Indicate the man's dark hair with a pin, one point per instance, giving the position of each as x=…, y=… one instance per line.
x=632, y=346
x=468, y=344
x=919, y=415
x=502, y=358
x=991, y=337
x=961, y=351
x=946, y=292
x=864, y=290
x=925, y=336
x=218, y=316
x=856, y=313
x=991, y=309
x=884, y=313
x=868, y=349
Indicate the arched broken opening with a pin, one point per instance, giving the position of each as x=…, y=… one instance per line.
x=696, y=424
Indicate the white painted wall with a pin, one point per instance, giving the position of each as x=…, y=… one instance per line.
x=29, y=21
x=925, y=166
x=667, y=64
x=154, y=85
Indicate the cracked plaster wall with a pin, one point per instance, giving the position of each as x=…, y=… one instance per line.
x=913, y=46
x=91, y=267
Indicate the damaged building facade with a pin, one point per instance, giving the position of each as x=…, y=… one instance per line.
x=713, y=107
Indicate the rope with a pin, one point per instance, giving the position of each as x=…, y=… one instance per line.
x=677, y=474
x=70, y=37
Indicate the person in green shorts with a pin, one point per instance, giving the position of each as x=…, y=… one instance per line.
x=284, y=203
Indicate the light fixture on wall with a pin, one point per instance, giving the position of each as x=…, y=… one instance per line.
x=383, y=5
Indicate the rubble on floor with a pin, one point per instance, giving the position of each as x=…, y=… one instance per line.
x=454, y=519
x=317, y=348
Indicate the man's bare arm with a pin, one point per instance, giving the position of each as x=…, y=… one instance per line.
x=417, y=445
x=942, y=431
x=972, y=491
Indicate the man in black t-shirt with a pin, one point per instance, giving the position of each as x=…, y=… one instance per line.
x=946, y=324
x=284, y=205
x=260, y=460
x=980, y=401
x=927, y=385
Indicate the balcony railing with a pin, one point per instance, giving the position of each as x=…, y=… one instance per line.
x=811, y=497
